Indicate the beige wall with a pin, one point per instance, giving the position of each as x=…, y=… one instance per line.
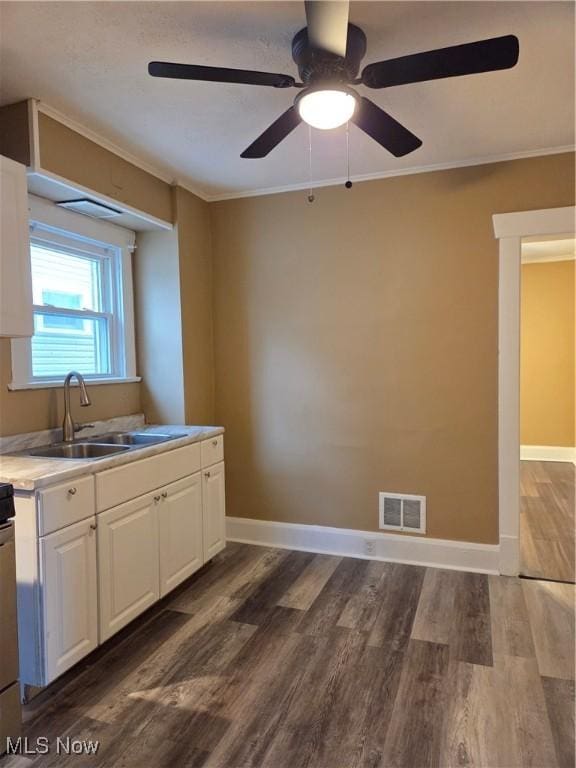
x=173, y=291
x=195, y=254
x=30, y=410
x=356, y=344
x=547, y=386
x=159, y=326
x=76, y=158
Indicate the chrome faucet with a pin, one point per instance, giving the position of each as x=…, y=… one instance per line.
x=69, y=428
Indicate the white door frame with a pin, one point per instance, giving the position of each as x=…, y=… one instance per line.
x=509, y=229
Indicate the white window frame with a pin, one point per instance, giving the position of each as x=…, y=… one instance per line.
x=58, y=226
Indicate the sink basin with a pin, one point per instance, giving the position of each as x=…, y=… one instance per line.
x=77, y=451
x=100, y=446
x=132, y=439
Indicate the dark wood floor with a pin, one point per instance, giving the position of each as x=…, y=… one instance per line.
x=279, y=659
x=547, y=534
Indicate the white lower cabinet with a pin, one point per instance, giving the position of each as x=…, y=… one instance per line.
x=86, y=569
x=70, y=605
x=180, y=526
x=213, y=510
x=128, y=568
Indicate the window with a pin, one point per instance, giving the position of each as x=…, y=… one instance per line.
x=82, y=302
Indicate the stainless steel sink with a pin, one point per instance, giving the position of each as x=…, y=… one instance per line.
x=77, y=451
x=100, y=446
x=132, y=439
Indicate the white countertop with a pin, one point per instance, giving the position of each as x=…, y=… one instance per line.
x=27, y=473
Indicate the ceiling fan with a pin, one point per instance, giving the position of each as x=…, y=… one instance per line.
x=328, y=52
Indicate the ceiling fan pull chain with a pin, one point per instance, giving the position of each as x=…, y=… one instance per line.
x=310, y=193
x=348, y=183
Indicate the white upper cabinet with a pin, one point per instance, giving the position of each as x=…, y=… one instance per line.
x=15, y=274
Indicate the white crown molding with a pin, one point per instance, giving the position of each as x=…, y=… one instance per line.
x=190, y=186
x=394, y=548
x=391, y=174
x=547, y=453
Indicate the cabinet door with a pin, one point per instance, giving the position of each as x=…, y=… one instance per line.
x=127, y=562
x=69, y=595
x=180, y=526
x=213, y=510
x=15, y=270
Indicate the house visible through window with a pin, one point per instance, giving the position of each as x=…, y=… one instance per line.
x=71, y=319
x=82, y=302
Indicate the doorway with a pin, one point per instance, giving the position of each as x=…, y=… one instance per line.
x=511, y=229
x=547, y=407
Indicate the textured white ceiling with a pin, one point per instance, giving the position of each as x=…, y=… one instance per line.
x=89, y=59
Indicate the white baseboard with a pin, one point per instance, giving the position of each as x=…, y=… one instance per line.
x=547, y=453
x=413, y=550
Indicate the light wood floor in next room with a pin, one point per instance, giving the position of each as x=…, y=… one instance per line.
x=278, y=659
x=547, y=520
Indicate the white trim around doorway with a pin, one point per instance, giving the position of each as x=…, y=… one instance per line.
x=509, y=229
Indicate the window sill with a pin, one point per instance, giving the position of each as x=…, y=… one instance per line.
x=59, y=383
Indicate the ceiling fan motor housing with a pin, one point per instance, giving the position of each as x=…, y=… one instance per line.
x=315, y=65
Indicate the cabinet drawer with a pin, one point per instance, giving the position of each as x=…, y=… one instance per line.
x=64, y=504
x=212, y=450
x=115, y=486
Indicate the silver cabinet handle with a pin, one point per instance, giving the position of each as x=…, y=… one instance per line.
x=72, y=491
x=214, y=443
x=206, y=474
x=164, y=494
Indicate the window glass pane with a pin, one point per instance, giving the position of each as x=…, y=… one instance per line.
x=63, y=343
x=61, y=299
x=65, y=279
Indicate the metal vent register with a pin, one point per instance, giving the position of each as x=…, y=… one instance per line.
x=90, y=208
x=403, y=512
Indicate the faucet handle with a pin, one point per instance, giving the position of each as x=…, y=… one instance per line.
x=80, y=427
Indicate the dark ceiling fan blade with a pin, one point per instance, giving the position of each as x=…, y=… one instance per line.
x=468, y=59
x=274, y=134
x=384, y=129
x=218, y=74
x=327, y=22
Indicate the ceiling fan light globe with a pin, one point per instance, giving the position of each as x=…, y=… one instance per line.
x=326, y=109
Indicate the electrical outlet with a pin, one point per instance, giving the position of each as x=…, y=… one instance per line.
x=369, y=546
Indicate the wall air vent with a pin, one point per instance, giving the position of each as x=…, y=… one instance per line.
x=402, y=512
x=90, y=208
